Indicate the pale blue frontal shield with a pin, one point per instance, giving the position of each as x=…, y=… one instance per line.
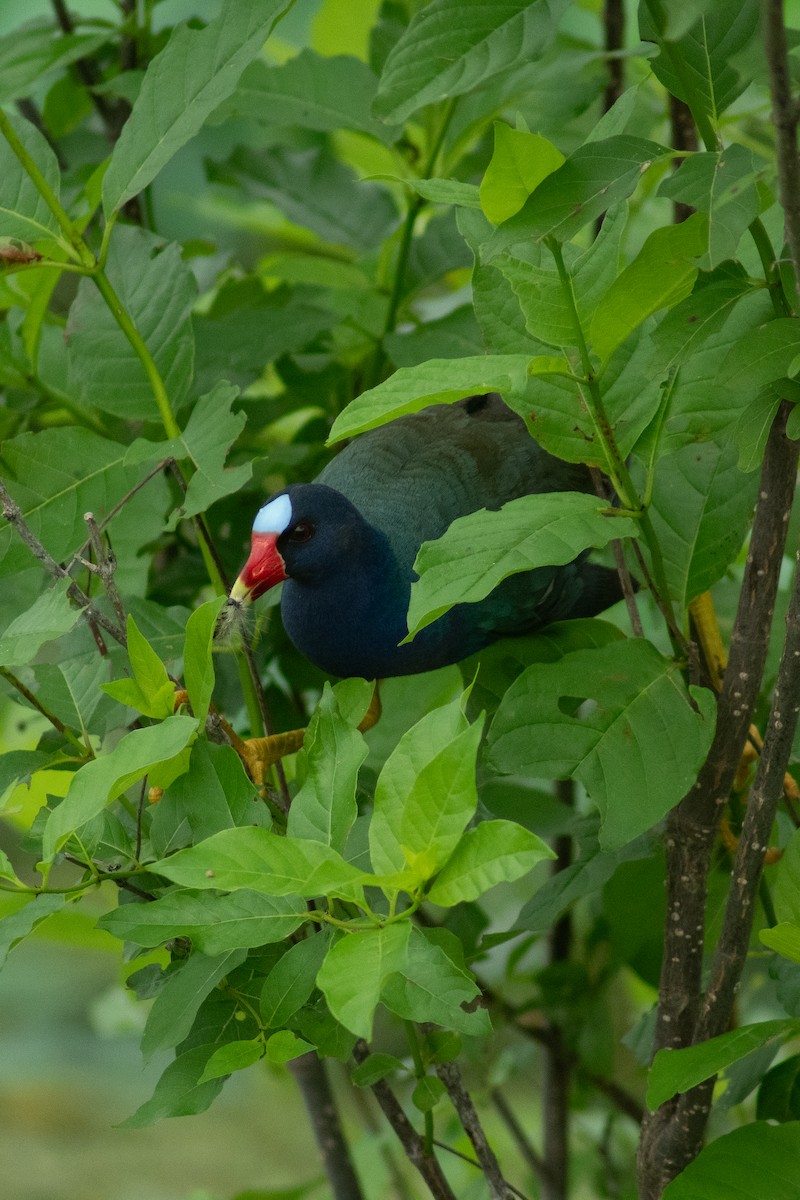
x=274, y=517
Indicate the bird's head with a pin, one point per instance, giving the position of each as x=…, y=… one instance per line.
x=307, y=532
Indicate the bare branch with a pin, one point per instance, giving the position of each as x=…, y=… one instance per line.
x=785, y=119
x=468, y=1116
x=309, y=1072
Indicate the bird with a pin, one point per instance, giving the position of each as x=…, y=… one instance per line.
x=344, y=545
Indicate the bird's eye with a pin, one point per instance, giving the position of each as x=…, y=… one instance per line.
x=301, y=532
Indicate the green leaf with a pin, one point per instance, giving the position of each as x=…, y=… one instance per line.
x=284, y=1045
x=17, y=925
x=430, y=986
x=325, y=808
x=229, y=796
x=50, y=616
x=416, y=749
x=179, y=1092
x=355, y=970
x=441, y=802
x=637, y=747
x=686, y=326
x=519, y=163
x=447, y=191
x=440, y=381
x=209, y=434
x=375, y=1068
x=701, y=508
x=480, y=550
x=676, y=1071
x=779, y=1092
x=311, y=90
x=316, y=191
x=766, y=355
x=175, y=1007
x=708, y=77
x=151, y=691
x=292, y=980
x=23, y=212
x=33, y=50
x=491, y=853
x=451, y=46
x=593, y=179
x=157, y=290
x=736, y=1166
x=102, y=780
x=198, y=660
x=214, y=923
x=784, y=939
x=662, y=274
x=263, y=862
x=233, y=1056
x=427, y=1093
x=724, y=186
x=195, y=72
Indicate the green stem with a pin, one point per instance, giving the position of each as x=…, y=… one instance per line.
x=766, y=253
x=420, y=1073
x=75, y=243
x=618, y=469
x=701, y=119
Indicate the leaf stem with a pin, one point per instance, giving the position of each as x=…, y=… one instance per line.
x=420, y=1073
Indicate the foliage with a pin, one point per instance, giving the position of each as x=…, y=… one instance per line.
x=229, y=244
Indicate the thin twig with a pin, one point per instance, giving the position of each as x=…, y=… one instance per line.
x=105, y=565
x=473, y=1162
x=785, y=119
x=13, y=514
x=468, y=1116
x=427, y=1164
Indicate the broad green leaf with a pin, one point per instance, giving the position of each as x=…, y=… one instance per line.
x=23, y=212
x=33, y=50
x=17, y=925
x=701, y=508
x=451, y=46
x=766, y=355
x=292, y=980
x=56, y=476
x=316, y=191
x=49, y=617
x=440, y=381
x=779, y=1092
x=480, y=550
x=519, y=163
x=17, y=766
x=708, y=75
x=175, y=1007
x=427, y=1093
x=233, y=1056
x=209, y=434
x=415, y=750
x=783, y=938
x=592, y=180
x=584, y=877
x=723, y=185
x=355, y=970
x=151, y=691
x=429, y=986
x=753, y=427
x=311, y=90
x=105, y=778
x=447, y=191
x=676, y=1071
x=263, y=862
x=198, y=660
x=284, y=1045
x=737, y=1165
x=440, y=804
x=157, y=290
x=184, y=83
x=71, y=690
x=179, y=1092
x=324, y=809
x=636, y=747
x=662, y=274
x=497, y=309
x=214, y=923
x=491, y=853
x=685, y=327
x=786, y=882
x=229, y=795
x=374, y=1068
